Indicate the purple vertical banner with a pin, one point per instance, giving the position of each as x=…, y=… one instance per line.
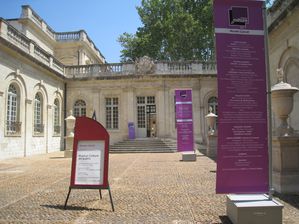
x=242, y=156
x=184, y=120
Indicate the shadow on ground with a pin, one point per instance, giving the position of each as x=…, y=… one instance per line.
x=70, y=207
x=58, y=157
x=291, y=199
x=225, y=220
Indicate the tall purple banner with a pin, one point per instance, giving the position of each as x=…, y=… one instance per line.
x=184, y=120
x=242, y=157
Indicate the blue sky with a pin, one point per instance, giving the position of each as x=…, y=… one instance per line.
x=103, y=20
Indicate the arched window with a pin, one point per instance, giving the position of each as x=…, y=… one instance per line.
x=79, y=108
x=38, y=114
x=213, y=103
x=13, y=126
x=56, y=110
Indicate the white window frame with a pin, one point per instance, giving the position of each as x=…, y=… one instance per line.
x=112, y=113
x=56, y=117
x=38, y=114
x=79, y=108
x=13, y=126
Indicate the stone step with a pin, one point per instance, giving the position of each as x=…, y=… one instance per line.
x=144, y=145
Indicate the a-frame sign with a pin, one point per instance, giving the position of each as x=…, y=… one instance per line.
x=90, y=157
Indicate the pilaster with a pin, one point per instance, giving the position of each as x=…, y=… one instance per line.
x=163, y=112
x=96, y=102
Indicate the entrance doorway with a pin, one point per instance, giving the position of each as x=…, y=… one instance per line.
x=146, y=117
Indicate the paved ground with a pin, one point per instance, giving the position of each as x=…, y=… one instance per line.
x=146, y=188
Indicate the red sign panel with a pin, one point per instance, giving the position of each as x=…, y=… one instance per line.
x=90, y=155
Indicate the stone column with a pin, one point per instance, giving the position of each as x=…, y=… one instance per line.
x=196, y=113
x=131, y=107
x=162, y=104
x=128, y=110
x=96, y=103
x=28, y=127
x=168, y=118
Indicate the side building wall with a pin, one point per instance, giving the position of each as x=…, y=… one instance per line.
x=284, y=53
x=29, y=79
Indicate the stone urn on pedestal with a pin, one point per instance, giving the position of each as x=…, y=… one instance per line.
x=212, y=134
x=285, y=144
x=69, y=139
x=282, y=104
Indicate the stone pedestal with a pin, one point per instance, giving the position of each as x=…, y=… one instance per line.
x=253, y=209
x=188, y=156
x=69, y=142
x=285, y=157
x=212, y=146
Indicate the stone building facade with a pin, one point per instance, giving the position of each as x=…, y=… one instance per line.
x=283, y=28
x=45, y=74
x=124, y=95
x=32, y=82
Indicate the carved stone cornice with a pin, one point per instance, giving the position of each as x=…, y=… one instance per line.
x=279, y=11
x=28, y=101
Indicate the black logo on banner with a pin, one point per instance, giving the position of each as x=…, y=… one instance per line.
x=183, y=94
x=238, y=16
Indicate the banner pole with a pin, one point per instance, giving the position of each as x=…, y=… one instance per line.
x=271, y=189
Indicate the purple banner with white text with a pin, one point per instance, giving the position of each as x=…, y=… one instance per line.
x=242, y=156
x=184, y=120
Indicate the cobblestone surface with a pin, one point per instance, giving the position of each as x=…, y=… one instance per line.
x=146, y=188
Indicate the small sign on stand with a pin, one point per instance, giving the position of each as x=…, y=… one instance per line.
x=90, y=157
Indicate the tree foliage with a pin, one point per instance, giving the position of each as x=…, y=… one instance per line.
x=172, y=30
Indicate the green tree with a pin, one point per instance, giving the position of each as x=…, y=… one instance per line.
x=172, y=30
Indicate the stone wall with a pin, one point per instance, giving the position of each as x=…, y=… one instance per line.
x=30, y=78
x=284, y=51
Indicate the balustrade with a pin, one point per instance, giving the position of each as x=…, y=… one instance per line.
x=179, y=67
x=67, y=36
x=50, y=32
x=57, y=65
x=114, y=68
x=209, y=66
x=162, y=68
x=18, y=38
x=41, y=54
x=36, y=18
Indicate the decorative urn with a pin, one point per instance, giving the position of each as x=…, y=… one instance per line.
x=211, y=120
x=282, y=103
x=70, y=124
